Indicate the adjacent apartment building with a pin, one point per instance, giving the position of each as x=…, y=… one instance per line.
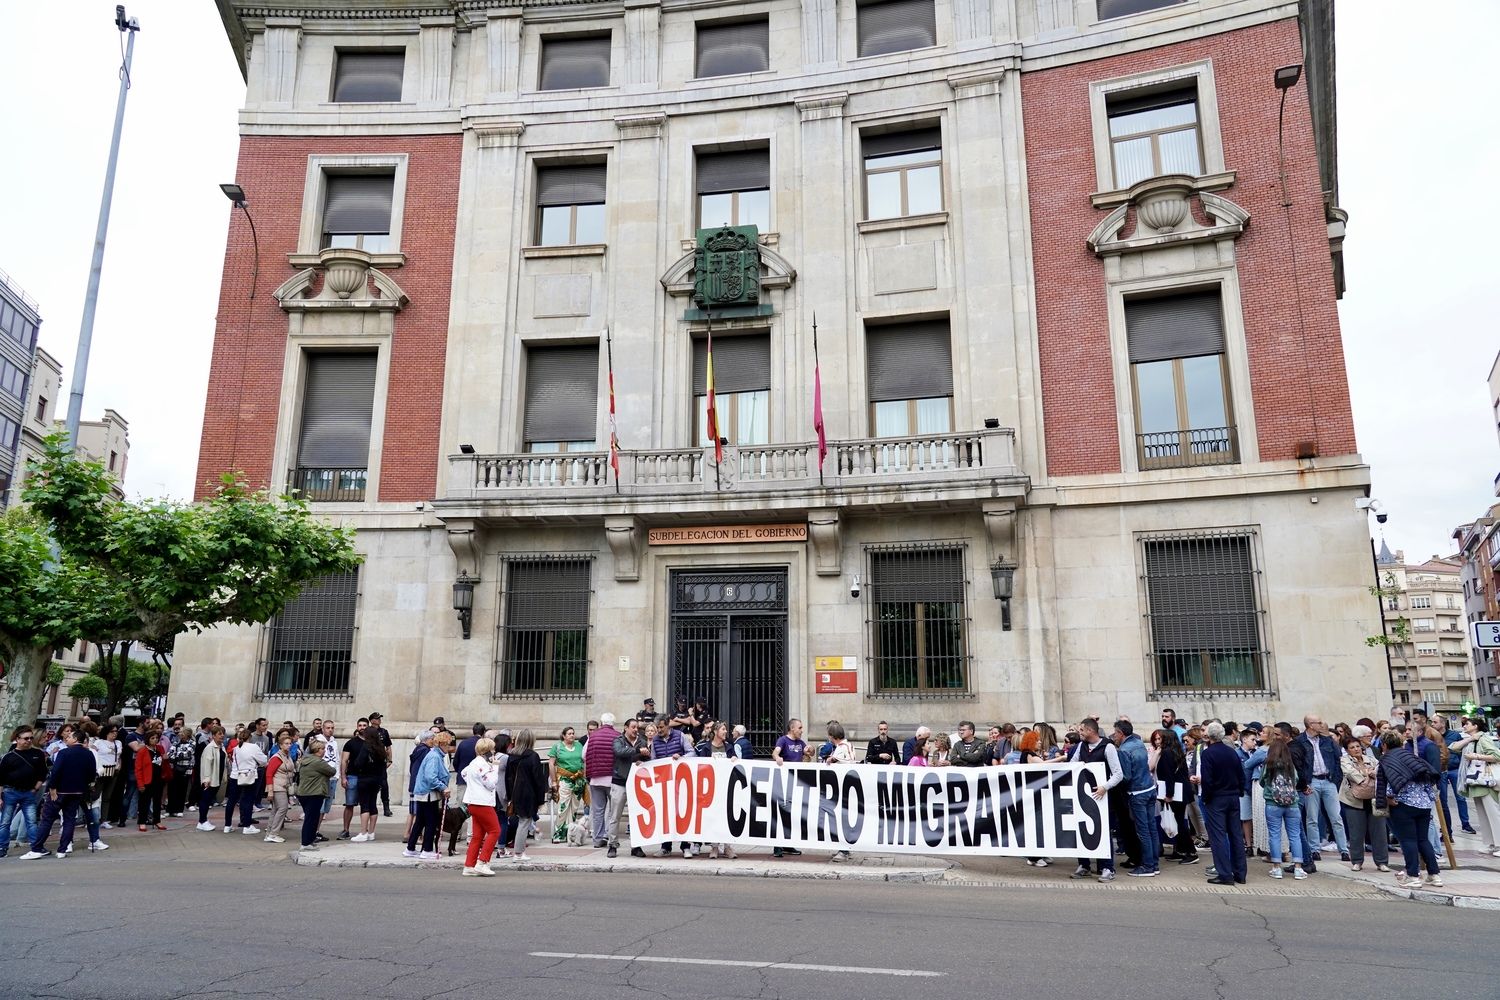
x=1433, y=666
x=1018, y=319
x=20, y=319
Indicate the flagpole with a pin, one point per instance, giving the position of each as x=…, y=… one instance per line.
x=614, y=437
x=818, y=400
x=713, y=412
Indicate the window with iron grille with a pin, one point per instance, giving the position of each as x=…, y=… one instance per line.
x=918, y=619
x=1202, y=606
x=544, y=635
x=309, y=647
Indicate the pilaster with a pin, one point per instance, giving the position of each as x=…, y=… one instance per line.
x=642, y=43
x=436, y=46
x=827, y=257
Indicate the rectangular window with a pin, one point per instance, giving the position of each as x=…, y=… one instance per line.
x=1421, y=601
x=10, y=433
x=544, y=641
x=1154, y=133
x=16, y=326
x=742, y=389
x=114, y=458
x=1123, y=8
x=333, y=447
x=1427, y=651
x=357, y=211
x=562, y=398
x=310, y=645
x=41, y=409
x=1180, y=381
x=570, y=205
x=909, y=372
x=734, y=189
x=903, y=173
x=918, y=618
x=896, y=26
x=363, y=76
x=574, y=63
x=1423, y=625
x=736, y=47
x=1202, y=609
x=12, y=379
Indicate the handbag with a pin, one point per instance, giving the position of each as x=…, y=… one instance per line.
x=1168, y=823
x=1482, y=774
x=1362, y=790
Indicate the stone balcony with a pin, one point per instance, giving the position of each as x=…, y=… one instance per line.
x=941, y=471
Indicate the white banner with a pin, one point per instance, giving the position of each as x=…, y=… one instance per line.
x=1013, y=811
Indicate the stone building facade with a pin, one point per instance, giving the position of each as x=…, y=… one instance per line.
x=1066, y=301
x=1431, y=597
x=19, y=322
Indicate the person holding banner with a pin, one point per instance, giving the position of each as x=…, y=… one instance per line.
x=629, y=747
x=790, y=749
x=842, y=753
x=1095, y=749
x=668, y=743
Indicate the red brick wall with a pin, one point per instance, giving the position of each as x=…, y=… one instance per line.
x=1077, y=375
x=244, y=383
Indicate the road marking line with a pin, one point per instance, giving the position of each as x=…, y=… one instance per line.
x=794, y=966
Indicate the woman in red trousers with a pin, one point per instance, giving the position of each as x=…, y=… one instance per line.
x=482, y=777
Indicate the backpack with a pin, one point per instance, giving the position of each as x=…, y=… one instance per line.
x=181, y=757
x=1280, y=788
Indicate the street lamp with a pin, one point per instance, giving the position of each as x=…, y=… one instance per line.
x=236, y=194
x=1003, y=580
x=463, y=599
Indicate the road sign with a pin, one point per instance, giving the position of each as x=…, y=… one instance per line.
x=1487, y=635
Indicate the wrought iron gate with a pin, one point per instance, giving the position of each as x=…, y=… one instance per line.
x=729, y=647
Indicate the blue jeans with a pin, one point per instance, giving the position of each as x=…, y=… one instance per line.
x=1450, y=780
x=1292, y=816
x=1411, y=826
x=1143, y=815
x=66, y=806
x=15, y=801
x=1325, y=797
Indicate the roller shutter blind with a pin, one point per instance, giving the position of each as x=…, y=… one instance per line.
x=741, y=364
x=548, y=594
x=320, y=618
x=358, y=203
x=362, y=77
x=911, y=361
x=562, y=393
x=1182, y=326
x=896, y=26
x=740, y=47
x=582, y=184
x=1202, y=595
x=570, y=63
x=742, y=170
x=337, y=406
x=890, y=143
x=1123, y=8
x=909, y=575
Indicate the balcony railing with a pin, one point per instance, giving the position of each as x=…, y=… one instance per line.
x=1188, y=449
x=866, y=462
x=341, y=485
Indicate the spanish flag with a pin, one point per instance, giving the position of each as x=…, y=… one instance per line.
x=713, y=410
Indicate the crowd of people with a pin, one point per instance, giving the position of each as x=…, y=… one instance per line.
x=1287, y=794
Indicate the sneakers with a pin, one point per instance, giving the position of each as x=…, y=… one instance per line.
x=666, y=851
x=1343, y=855
x=613, y=851
x=1407, y=883
x=1317, y=855
x=98, y=845
x=430, y=856
x=636, y=852
x=1299, y=872
x=1188, y=859
x=319, y=838
x=1327, y=845
x=407, y=852
x=111, y=826
x=689, y=852
x=1043, y=862
x=228, y=828
x=206, y=827
x=484, y=869
x=62, y=851
x=344, y=835
x=1275, y=871
x=1434, y=881
x=776, y=852
x=1470, y=829
x=309, y=847
x=1082, y=871
x=471, y=871
x=1142, y=872
x=33, y=855
x=250, y=830
x=839, y=857
x=361, y=838
x=1108, y=875
x=271, y=838
x=521, y=856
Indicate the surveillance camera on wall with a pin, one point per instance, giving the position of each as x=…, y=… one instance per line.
x=1382, y=517
x=854, y=586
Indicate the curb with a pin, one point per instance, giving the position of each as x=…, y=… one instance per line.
x=1431, y=897
x=827, y=874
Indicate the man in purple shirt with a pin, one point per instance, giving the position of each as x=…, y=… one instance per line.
x=790, y=749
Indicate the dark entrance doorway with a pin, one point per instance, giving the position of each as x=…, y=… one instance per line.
x=729, y=646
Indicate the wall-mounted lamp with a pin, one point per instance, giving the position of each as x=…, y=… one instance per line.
x=991, y=423
x=466, y=449
x=463, y=600
x=1003, y=579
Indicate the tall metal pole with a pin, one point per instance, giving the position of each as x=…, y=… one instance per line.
x=91, y=299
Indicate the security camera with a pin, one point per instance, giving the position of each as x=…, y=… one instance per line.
x=1382, y=517
x=854, y=586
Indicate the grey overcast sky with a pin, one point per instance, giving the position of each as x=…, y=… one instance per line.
x=1419, y=331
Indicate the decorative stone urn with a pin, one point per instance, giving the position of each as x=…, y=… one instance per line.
x=345, y=270
x=1162, y=202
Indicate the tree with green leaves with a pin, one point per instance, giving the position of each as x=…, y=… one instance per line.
x=141, y=573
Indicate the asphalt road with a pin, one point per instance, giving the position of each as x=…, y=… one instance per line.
x=114, y=927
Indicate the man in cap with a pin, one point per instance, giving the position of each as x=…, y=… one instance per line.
x=647, y=712
x=385, y=740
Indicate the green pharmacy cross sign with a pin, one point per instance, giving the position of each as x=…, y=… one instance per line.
x=726, y=274
x=1469, y=708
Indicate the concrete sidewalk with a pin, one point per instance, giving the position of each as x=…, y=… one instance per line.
x=1474, y=884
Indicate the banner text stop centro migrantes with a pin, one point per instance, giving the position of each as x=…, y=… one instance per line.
x=1017, y=810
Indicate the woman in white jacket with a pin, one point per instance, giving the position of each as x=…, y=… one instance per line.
x=482, y=777
x=244, y=767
